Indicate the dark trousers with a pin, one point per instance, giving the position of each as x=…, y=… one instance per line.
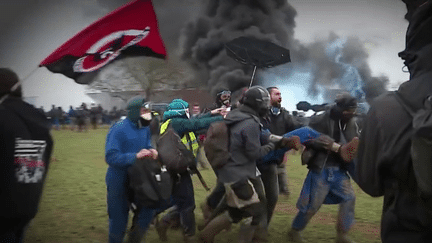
x=13, y=230
x=183, y=199
x=269, y=177
x=216, y=195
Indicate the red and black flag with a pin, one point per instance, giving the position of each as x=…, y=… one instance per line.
x=131, y=30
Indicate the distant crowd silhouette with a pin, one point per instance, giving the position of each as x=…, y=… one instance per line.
x=80, y=118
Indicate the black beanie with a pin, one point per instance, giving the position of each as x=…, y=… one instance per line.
x=346, y=101
x=8, y=79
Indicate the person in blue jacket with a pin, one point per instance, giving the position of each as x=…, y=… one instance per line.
x=127, y=140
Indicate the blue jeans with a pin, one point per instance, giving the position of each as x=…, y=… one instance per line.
x=331, y=186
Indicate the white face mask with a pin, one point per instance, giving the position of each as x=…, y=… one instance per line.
x=187, y=113
x=146, y=116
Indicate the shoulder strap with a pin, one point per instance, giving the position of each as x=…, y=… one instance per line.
x=190, y=142
x=404, y=104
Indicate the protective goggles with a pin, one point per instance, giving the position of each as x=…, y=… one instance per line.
x=224, y=94
x=147, y=106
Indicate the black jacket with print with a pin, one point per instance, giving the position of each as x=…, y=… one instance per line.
x=25, y=150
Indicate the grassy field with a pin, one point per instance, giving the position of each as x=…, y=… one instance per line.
x=73, y=206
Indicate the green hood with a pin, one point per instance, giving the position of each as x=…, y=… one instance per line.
x=177, y=108
x=133, y=108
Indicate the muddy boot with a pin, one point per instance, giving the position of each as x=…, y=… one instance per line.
x=246, y=233
x=206, y=209
x=295, y=236
x=261, y=235
x=221, y=222
x=343, y=238
x=190, y=239
x=136, y=235
x=162, y=228
x=349, y=150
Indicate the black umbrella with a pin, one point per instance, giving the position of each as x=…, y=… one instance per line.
x=259, y=53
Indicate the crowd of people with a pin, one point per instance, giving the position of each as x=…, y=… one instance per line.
x=82, y=117
x=261, y=132
x=385, y=153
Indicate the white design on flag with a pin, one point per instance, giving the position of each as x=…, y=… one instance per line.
x=108, y=54
x=28, y=160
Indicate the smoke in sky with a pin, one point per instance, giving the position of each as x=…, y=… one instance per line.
x=203, y=39
x=196, y=31
x=333, y=63
x=341, y=63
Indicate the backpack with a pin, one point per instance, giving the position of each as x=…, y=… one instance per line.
x=216, y=144
x=173, y=153
x=149, y=182
x=421, y=147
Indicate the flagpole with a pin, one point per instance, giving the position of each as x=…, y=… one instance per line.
x=253, y=74
x=15, y=86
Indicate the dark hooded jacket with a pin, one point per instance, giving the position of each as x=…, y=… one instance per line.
x=25, y=151
x=384, y=166
x=245, y=145
x=324, y=124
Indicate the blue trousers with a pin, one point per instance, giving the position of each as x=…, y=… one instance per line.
x=331, y=186
x=118, y=212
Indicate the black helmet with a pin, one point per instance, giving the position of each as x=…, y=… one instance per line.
x=258, y=99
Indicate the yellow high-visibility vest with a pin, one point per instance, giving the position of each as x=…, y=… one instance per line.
x=193, y=141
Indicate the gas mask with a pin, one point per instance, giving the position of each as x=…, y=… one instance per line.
x=224, y=98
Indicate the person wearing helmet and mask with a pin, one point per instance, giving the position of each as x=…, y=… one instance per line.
x=178, y=115
x=244, y=191
x=127, y=140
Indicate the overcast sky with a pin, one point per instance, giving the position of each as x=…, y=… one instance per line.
x=32, y=30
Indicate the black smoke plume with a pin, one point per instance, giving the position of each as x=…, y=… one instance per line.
x=203, y=39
